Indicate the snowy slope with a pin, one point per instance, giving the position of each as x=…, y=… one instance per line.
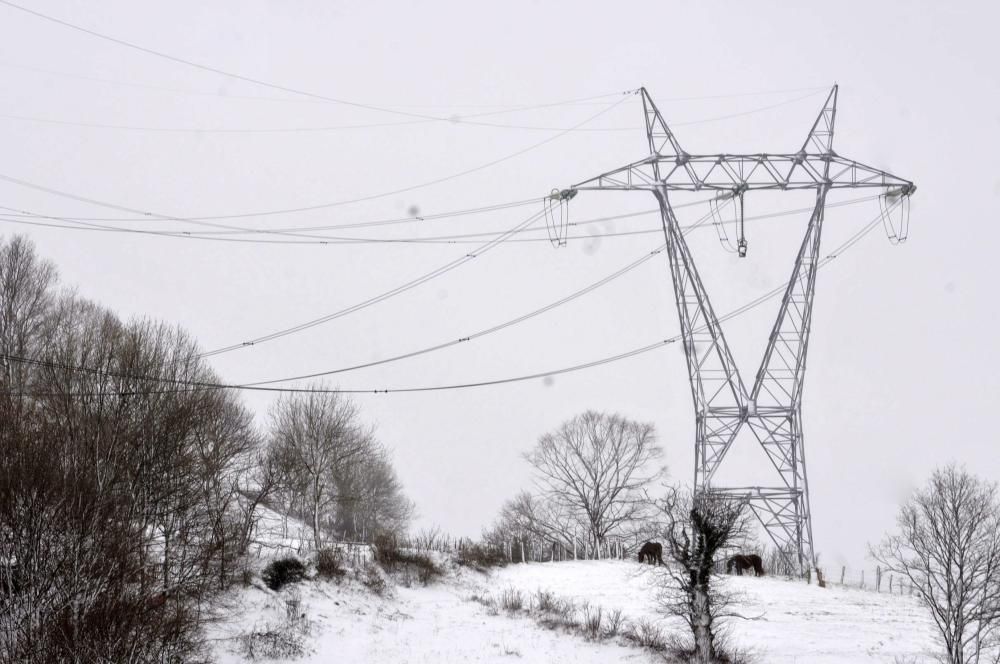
x=794, y=622
x=433, y=625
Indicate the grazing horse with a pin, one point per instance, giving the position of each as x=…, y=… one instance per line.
x=742, y=563
x=652, y=553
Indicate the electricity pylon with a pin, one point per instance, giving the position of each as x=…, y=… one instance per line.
x=772, y=407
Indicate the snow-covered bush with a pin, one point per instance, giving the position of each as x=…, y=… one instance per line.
x=273, y=642
x=545, y=600
x=479, y=557
x=404, y=563
x=330, y=564
x=593, y=617
x=373, y=578
x=511, y=600
x=614, y=624
x=282, y=572
x=647, y=634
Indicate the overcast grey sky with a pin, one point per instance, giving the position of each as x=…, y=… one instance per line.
x=903, y=358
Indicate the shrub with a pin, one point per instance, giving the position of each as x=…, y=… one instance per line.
x=373, y=579
x=592, y=619
x=647, y=635
x=273, y=642
x=557, y=613
x=546, y=601
x=246, y=575
x=615, y=623
x=479, y=557
x=427, y=570
x=511, y=600
x=485, y=600
x=394, y=559
x=679, y=649
x=283, y=571
x=387, y=551
x=330, y=564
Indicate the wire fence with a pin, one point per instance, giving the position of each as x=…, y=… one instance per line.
x=877, y=580
x=277, y=533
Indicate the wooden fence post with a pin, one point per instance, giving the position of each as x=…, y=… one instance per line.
x=843, y=570
x=878, y=579
x=862, y=579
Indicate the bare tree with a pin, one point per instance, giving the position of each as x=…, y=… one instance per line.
x=257, y=482
x=597, y=465
x=371, y=499
x=27, y=285
x=697, y=530
x=117, y=482
x=948, y=546
x=317, y=434
x=538, y=522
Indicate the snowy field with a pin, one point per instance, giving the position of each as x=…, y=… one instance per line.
x=433, y=625
x=792, y=622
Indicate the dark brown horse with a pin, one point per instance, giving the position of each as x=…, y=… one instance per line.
x=743, y=563
x=652, y=553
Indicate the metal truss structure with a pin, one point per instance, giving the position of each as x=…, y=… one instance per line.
x=772, y=406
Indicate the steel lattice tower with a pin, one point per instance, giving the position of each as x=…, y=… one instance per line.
x=772, y=407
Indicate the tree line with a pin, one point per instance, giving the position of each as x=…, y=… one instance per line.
x=129, y=495
x=594, y=494
x=588, y=496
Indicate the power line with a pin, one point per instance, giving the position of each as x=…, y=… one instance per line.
x=460, y=238
x=424, y=278
x=466, y=120
x=391, y=221
x=519, y=319
x=78, y=223
x=467, y=238
x=204, y=221
x=199, y=385
x=419, y=281
x=454, y=120
x=221, y=72
x=296, y=100
x=228, y=74
x=427, y=277
x=501, y=326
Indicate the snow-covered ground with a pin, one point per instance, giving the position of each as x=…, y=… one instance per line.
x=792, y=622
x=433, y=625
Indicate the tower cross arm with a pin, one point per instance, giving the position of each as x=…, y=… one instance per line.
x=739, y=173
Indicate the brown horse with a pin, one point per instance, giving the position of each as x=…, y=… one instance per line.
x=743, y=563
x=651, y=552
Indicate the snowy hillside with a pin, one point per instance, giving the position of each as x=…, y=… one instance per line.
x=792, y=622
x=432, y=625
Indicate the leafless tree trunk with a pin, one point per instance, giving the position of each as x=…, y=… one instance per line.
x=948, y=546
x=697, y=530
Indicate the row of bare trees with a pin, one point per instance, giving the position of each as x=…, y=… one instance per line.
x=599, y=491
x=128, y=493
x=331, y=471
